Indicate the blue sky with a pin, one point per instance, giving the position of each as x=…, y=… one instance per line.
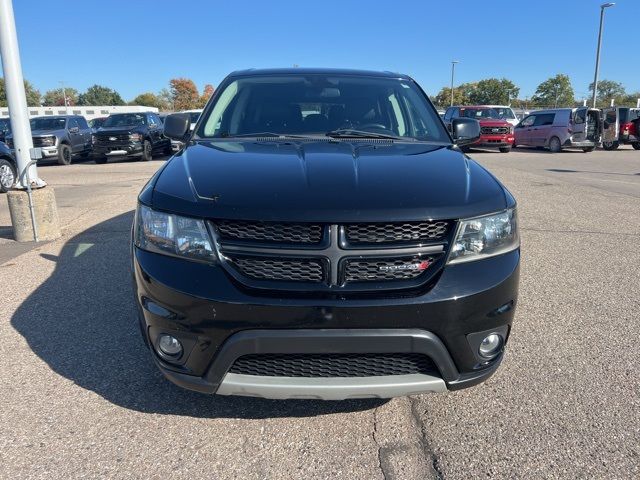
x=138, y=45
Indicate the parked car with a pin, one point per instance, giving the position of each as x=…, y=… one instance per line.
x=5, y=128
x=560, y=128
x=621, y=126
x=130, y=134
x=194, y=115
x=96, y=123
x=321, y=235
x=8, y=168
x=60, y=137
x=496, y=132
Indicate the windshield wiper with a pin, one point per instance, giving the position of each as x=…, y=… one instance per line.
x=352, y=133
x=262, y=134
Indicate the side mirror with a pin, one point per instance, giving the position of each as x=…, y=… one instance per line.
x=176, y=126
x=74, y=130
x=465, y=131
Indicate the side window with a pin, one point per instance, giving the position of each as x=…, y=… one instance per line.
x=579, y=116
x=544, y=119
x=611, y=116
x=455, y=112
x=528, y=121
x=82, y=123
x=156, y=118
x=72, y=123
x=151, y=120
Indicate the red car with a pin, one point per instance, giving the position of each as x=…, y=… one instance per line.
x=496, y=132
x=621, y=127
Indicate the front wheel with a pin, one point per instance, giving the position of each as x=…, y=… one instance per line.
x=588, y=149
x=610, y=145
x=505, y=149
x=636, y=145
x=64, y=154
x=147, y=151
x=7, y=175
x=554, y=145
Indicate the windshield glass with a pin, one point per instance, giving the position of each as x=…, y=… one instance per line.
x=5, y=125
x=47, y=123
x=494, y=112
x=124, y=120
x=316, y=104
x=97, y=122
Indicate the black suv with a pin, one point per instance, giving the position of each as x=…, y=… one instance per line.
x=321, y=235
x=130, y=134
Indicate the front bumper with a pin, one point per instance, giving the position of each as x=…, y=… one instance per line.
x=218, y=321
x=494, y=141
x=120, y=149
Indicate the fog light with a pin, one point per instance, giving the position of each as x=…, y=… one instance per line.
x=490, y=345
x=169, y=345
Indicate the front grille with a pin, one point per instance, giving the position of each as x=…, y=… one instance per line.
x=412, y=232
x=494, y=130
x=280, y=269
x=333, y=365
x=39, y=142
x=106, y=139
x=385, y=269
x=305, y=233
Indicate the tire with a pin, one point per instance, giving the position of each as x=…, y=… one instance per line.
x=100, y=160
x=505, y=149
x=588, y=149
x=554, y=145
x=147, y=151
x=610, y=145
x=636, y=145
x=64, y=154
x=7, y=175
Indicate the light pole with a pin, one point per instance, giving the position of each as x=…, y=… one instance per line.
x=64, y=93
x=595, y=77
x=453, y=69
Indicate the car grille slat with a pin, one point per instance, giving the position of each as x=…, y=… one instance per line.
x=279, y=269
x=333, y=365
x=386, y=269
x=494, y=130
x=300, y=233
x=380, y=233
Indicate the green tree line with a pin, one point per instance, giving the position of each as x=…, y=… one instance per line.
x=182, y=94
x=556, y=91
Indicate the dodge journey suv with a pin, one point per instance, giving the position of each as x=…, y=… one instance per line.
x=322, y=235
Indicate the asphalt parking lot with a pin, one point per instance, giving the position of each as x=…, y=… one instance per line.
x=80, y=397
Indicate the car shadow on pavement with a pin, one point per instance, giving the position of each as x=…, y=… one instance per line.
x=82, y=322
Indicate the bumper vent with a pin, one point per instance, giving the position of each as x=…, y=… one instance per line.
x=333, y=365
x=381, y=233
x=270, y=232
x=280, y=269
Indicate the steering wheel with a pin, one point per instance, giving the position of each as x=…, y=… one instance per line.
x=378, y=126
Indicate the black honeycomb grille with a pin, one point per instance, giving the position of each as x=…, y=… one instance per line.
x=377, y=233
x=382, y=269
x=333, y=365
x=285, y=269
x=270, y=232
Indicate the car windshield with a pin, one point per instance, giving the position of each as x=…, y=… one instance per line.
x=124, y=120
x=318, y=104
x=47, y=123
x=5, y=125
x=97, y=122
x=494, y=112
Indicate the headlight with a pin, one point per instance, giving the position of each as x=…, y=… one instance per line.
x=482, y=237
x=134, y=137
x=173, y=235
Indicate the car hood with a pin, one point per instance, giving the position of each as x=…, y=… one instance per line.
x=494, y=123
x=325, y=181
x=108, y=130
x=47, y=133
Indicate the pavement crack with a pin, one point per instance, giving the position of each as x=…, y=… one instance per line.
x=375, y=439
x=430, y=456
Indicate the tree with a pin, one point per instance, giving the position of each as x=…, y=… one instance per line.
x=461, y=95
x=99, y=95
x=149, y=99
x=166, y=98
x=55, y=97
x=555, y=91
x=629, y=100
x=184, y=94
x=33, y=95
x=608, y=90
x=493, y=91
x=206, y=94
